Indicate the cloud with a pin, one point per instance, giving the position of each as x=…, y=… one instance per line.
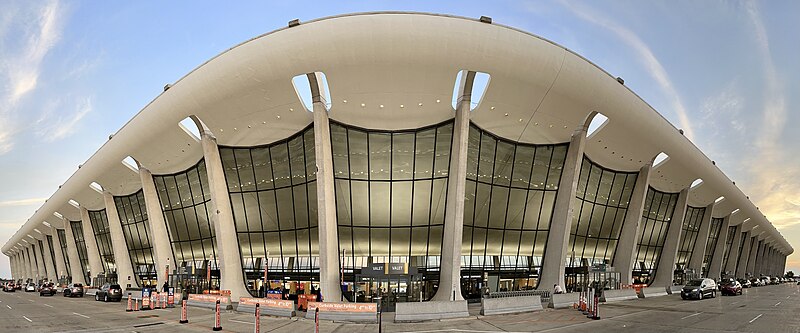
x=22, y=202
x=646, y=56
x=20, y=68
x=52, y=127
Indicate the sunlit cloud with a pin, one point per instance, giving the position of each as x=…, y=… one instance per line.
x=646, y=56
x=53, y=126
x=22, y=202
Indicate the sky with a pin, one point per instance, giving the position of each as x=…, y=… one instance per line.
x=73, y=72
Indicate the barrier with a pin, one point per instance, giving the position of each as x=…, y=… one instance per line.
x=434, y=310
x=208, y=301
x=137, y=305
x=544, y=295
x=184, y=314
x=610, y=296
x=653, y=292
x=358, y=312
x=257, y=328
x=269, y=306
x=561, y=301
x=674, y=289
x=594, y=313
x=130, y=306
x=316, y=320
x=217, y=323
x=494, y=306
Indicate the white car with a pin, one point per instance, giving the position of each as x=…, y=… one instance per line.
x=30, y=287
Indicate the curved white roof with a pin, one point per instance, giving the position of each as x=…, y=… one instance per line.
x=396, y=70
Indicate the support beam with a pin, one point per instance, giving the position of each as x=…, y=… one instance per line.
x=38, y=255
x=72, y=252
x=122, y=258
x=626, y=247
x=48, y=259
x=741, y=266
x=754, y=257
x=555, y=254
x=696, y=260
x=669, y=253
x=715, y=265
x=733, y=252
x=61, y=265
x=159, y=235
x=92, y=251
x=450, y=276
x=230, y=262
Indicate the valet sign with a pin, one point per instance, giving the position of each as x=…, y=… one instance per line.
x=381, y=269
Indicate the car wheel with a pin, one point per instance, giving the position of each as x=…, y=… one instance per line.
x=700, y=295
x=96, y=297
x=713, y=294
x=105, y=298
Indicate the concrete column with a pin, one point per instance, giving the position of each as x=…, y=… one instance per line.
x=72, y=253
x=38, y=263
x=33, y=271
x=768, y=265
x=450, y=277
x=715, y=265
x=12, y=259
x=669, y=253
x=555, y=254
x=626, y=246
x=755, y=255
x=741, y=266
x=48, y=260
x=122, y=258
x=230, y=262
x=696, y=259
x=61, y=265
x=733, y=256
x=92, y=251
x=159, y=236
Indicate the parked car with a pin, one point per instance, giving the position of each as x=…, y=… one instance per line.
x=732, y=288
x=9, y=287
x=73, y=290
x=18, y=286
x=47, y=289
x=745, y=283
x=699, y=288
x=109, y=292
x=30, y=287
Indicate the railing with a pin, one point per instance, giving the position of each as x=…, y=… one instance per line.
x=544, y=295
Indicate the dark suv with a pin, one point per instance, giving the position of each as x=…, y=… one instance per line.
x=699, y=289
x=74, y=290
x=109, y=292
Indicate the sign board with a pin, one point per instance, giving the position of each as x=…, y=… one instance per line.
x=343, y=307
x=146, y=297
x=209, y=298
x=171, y=296
x=273, y=303
x=303, y=299
x=383, y=269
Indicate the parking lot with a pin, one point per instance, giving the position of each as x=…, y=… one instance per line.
x=763, y=309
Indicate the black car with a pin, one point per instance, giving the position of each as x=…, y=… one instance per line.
x=109, y=292
x=699, y=288
x=74, y=290
x=47, y=289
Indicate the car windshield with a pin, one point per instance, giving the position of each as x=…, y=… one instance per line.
x=114, y=286
x=78, y=285
x=694, y=283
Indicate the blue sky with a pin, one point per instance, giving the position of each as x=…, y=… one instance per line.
x=73, y=72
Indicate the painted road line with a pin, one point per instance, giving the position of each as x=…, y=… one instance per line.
x=756, y=318
x=240, y=321
x=8, y=306
x=47, y=305
x=28, y=319
x=84, y=316
x=776, y=304
x=30, y=300
x=691, y=315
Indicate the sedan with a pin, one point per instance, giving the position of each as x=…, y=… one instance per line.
x=109, y=292
x=74, y=289
x=30, y=287
x=745, y=283
x=47, y=289
x=732, y=288
x=9, y=287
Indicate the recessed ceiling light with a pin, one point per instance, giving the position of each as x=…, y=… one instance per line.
x=437, y=101
x=363, y=105
x=402, y=106
x=279, y=116
x=491, y=108
x=505, y=115
x=381, y=106
x=344, y=101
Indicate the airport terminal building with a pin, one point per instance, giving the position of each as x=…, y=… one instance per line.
x=426, y=156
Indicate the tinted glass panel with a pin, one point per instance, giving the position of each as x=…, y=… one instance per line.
x=136, y=230
x=99, y=222
x=656, y=216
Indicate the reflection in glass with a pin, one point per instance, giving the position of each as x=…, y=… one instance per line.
x=689, y=231
x=390, y=198
x=102, y=235
x=80, y=243
x=40, y=250
x=185, y=201
x=656, y=216
x=52, y=252
x=136, y=229
x=62, y=241
x=728, y=246
x=273, y=191
x=601, y=202
x=741, y=247
x=510, y=193
x=711, y=245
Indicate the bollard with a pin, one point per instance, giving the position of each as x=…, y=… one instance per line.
x=217, y=324
x=130, y=305
x=137, y=305
x=184, y=315
x=596, y=312
x=258, y=318
x=316, y=320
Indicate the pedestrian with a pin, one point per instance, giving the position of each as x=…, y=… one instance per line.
x=557, y=289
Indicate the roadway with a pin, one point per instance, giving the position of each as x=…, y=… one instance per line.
x=763, y=309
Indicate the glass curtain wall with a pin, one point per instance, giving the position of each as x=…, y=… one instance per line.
x=711, y=245
x=80, y=243
x=739, y=257
x=185, y=201
x=52, y=253
x=656, y=216
x=40, y=249
x=601, y=202
x=274, y=197
x=99, y=222
x=728, y=247
x=510, y=193
x=62, y=241
x=689, y=231
x=390, y=200
x=136, y=229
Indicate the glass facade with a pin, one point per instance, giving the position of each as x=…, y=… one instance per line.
x=185, y=201
x=62, y=240
x=728, y=246
x=102, y=235
x=80, y=243
x=49, y=239
x=741, y=247
x=41, y=252
x=711, y=245
x=656, y=216
x=274, y=197
x=136, y=230
x=510, y=193
x=601, y=202
x=390, y=199
x=689, y=231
